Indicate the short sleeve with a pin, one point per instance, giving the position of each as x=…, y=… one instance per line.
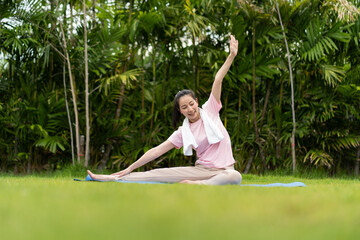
x=176, y=138
x=212, y=106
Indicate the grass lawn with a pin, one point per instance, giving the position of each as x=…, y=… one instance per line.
x=35, y=207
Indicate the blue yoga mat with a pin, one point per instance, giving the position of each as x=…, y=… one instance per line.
x=293, y=184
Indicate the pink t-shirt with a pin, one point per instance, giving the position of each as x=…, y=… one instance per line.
x=218, y=155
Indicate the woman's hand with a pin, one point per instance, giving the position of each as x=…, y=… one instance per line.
x=122, y=173
x=216, y=88
x=233, y=46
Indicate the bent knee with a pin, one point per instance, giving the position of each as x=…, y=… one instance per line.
x=233, y=176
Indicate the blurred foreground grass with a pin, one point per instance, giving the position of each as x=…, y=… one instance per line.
x=35, y=207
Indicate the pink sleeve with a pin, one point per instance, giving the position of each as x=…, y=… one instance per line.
x=176, y=138
x=212, y=106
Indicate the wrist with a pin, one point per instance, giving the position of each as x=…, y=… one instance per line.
x=232, y=56
x=130, y=168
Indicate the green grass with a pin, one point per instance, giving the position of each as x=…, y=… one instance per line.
x=46, y=207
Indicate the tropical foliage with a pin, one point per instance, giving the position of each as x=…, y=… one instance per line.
x=140, y=53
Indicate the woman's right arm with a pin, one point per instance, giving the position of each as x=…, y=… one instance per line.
x=216, y=87
x=147, y=157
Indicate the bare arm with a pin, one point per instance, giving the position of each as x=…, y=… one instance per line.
x=147, y=157
x=216, y=88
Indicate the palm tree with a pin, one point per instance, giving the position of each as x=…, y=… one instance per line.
x=292, y=93
x=255, y=16
x=195, y=24
x=315, y=42
x=121, y=76
x=87, y=114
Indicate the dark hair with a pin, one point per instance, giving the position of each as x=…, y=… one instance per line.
x=176, y=113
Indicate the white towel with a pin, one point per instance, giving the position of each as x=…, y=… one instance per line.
x=213, y=133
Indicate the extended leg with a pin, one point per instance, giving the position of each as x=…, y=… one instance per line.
x=172, y=175
x=190, y=175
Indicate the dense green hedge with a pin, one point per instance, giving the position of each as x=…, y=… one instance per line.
x=142, y=52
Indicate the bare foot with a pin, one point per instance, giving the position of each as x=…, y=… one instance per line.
x=101, y=177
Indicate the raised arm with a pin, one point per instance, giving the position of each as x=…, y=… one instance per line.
x=147, y=157
x=216, y=88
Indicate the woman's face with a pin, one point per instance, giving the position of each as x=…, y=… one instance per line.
x=189, y=108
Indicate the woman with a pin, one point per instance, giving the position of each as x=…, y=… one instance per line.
x=203, y=131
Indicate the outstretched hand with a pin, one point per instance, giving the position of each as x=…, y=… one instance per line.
x=122, y=173
x=233, y=46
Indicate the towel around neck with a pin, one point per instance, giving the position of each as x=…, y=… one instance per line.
x=213, y=133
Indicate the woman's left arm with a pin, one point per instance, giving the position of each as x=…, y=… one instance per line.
x=216, y=88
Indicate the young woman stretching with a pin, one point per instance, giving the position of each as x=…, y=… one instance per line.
x=203, y=131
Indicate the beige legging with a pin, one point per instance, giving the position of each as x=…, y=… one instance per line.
x=205, y=175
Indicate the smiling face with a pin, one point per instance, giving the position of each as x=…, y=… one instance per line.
x=188, y=107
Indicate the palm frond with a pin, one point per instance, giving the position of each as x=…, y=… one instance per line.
x=345, y=142
x=149, y=21
x=316, y=45
x=319, y=158
x=251, y=10
x=344, y=9
x=195, y=22
x=320, y=41
x=51, y=143
x=333, y=74
x=126, y=78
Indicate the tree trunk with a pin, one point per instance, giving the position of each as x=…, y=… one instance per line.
x=30, y=158
x=279, y=122
x=226, y=108
x=120, y=101
x=87, y=110
x=265, y=103
x=16, y=150
x=106, y=156
x=71, y=22
x=357, y=162
x=194, y=65
x=74, y=97
x=248, y=165
x=254, y=100
x=82, y=145
x=142, y=98
x=108, y=148
x=154, y=88
x=165, y=87
x=239, y=118
x=69, y=117
x=292, y=93
x=93, y=14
